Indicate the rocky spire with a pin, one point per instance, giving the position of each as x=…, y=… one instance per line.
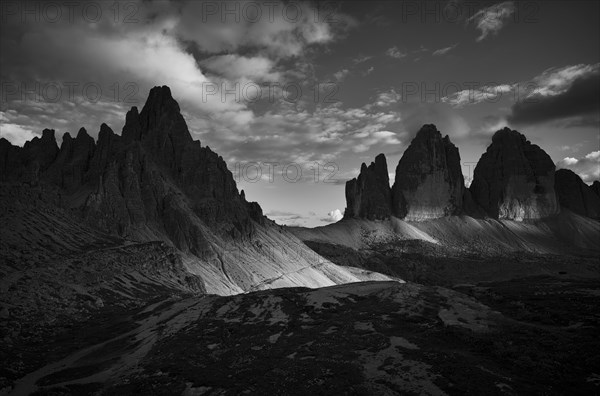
x=369, y=195
x=161, y=129
x=429, y=181
x=514, y=179
x=132, y=130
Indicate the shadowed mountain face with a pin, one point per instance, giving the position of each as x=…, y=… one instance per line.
x=156, y=143
x=369, y=195
x=145, y=181
x=514, y=179
x=429, y=183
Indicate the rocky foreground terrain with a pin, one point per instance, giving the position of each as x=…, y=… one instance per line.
x=133, y=265
x=536, y=335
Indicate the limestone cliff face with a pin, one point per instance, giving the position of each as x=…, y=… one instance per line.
x=369, y=195
x=575, y=195
x=153, y=181
x=514, y=179
x=156, y=178
x=429, y=183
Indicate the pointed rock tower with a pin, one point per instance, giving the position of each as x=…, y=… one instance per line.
x=369, y=195
x=429, y=183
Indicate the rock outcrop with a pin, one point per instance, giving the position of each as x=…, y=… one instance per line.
x=514, y=179
x=429, y=183
x=575, y=195
x=369, y=195
x=148, y=181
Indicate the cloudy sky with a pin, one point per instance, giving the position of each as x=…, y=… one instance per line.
x=296, y=95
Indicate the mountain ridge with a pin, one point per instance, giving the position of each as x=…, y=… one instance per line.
x=155, y=183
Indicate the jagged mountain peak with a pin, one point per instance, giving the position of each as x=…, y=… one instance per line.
x=162, y=112
x=380, y=161
x=160, y=98
x=47, y=134
x=369, y=195
x=46, y=142
x=82, y=133
x=427, y=129
x=507, y=136
x=105, y=130
x=430, y=132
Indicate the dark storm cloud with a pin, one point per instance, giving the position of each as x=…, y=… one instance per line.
x=581, y=99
